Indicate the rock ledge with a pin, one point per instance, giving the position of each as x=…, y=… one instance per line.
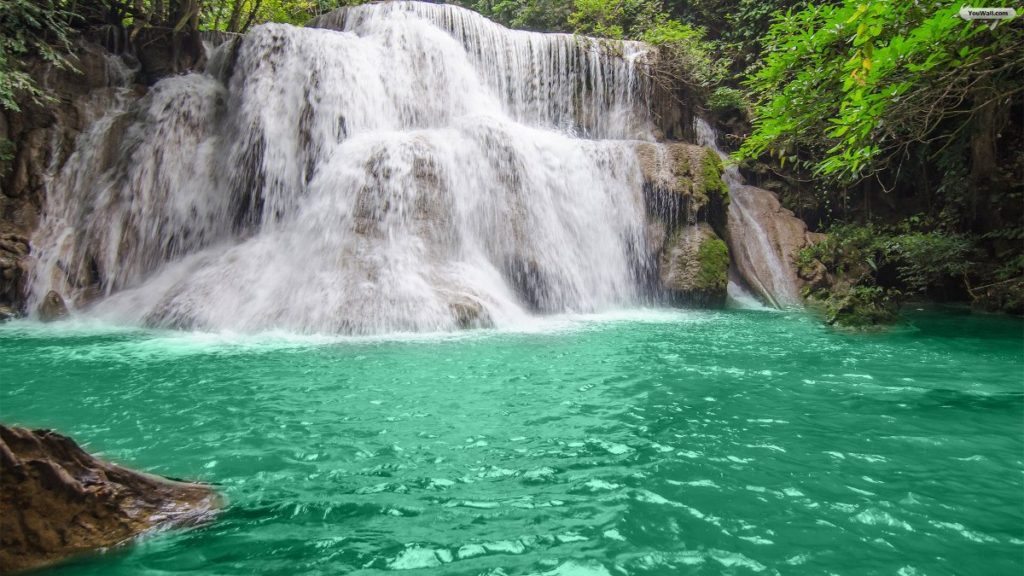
x=57, y=501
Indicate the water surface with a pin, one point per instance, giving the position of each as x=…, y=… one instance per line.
x=636, y=444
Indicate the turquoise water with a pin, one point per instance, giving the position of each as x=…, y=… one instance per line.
x=637, y=444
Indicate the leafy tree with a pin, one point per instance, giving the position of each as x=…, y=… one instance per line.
x=615, y=18
x=538, y=15
x=30, y=27
x=684, y=56
x=848, y=90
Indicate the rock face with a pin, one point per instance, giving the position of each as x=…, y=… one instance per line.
x=765, y=239
x=58, y=501
x=682, y=183
x=42, y=136
x=686, y=202
x=694, y=267
x=13, y=250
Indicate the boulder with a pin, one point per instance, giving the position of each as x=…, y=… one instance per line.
x=470, y=313
x=52, y=307
x=682, y=184
x=58, y=501
x=765, y=240
x=694, y=267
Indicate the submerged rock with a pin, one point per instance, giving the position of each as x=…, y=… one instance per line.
x=52, y=307
x=58, y=501
x=694, y=268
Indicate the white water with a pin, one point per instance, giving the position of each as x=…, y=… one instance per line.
x=416, y=169
x=776, y=286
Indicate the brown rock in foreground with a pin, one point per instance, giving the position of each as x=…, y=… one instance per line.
x=57, y=501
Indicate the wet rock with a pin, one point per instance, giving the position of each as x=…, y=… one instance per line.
x=52, y=307
x=470, y=314
x=682, y=186
x=694, y=267
x=815, y=275
x=38, y=140
x=59, y=501
x=765, y=240
x=530, y=283
x=13, y=249
x=164, y=52
x=7, y=313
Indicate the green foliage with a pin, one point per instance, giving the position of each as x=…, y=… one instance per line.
x=684, y=55
x=920, y=259
x=539, y=15
x=30, y=27
x=924, y=259
x=598, y=18
x=737, y=26
x=240, y=15
x=844, y=89
x=713, y=256
x=863, y=307
x=724, y=99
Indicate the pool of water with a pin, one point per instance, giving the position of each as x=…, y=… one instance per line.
x=631, y=444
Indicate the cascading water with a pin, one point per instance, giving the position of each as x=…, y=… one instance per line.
x=398, y=166
x=761, y=260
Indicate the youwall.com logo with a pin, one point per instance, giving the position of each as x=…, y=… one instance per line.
x=968, y=13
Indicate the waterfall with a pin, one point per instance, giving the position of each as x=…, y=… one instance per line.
x=394, y=167
x=759, y=262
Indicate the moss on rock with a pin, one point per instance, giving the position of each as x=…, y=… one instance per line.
x=711, y=177
x=694, y=267
x=713, y=257
x=864, y=307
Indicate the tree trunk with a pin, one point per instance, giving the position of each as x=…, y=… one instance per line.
x=984, y=161
x=236, y=15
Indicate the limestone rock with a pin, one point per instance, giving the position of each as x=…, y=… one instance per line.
x=52, y=307
x=694, y=267
x=682, y=186
x=58, y=501
x=765, y=240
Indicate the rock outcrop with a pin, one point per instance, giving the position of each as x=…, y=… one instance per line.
x=58, y=501
x=40, y=137
x=765, y=240
x=694, y=267
x=13, y=250
x=686, y=202
x=682, y=183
